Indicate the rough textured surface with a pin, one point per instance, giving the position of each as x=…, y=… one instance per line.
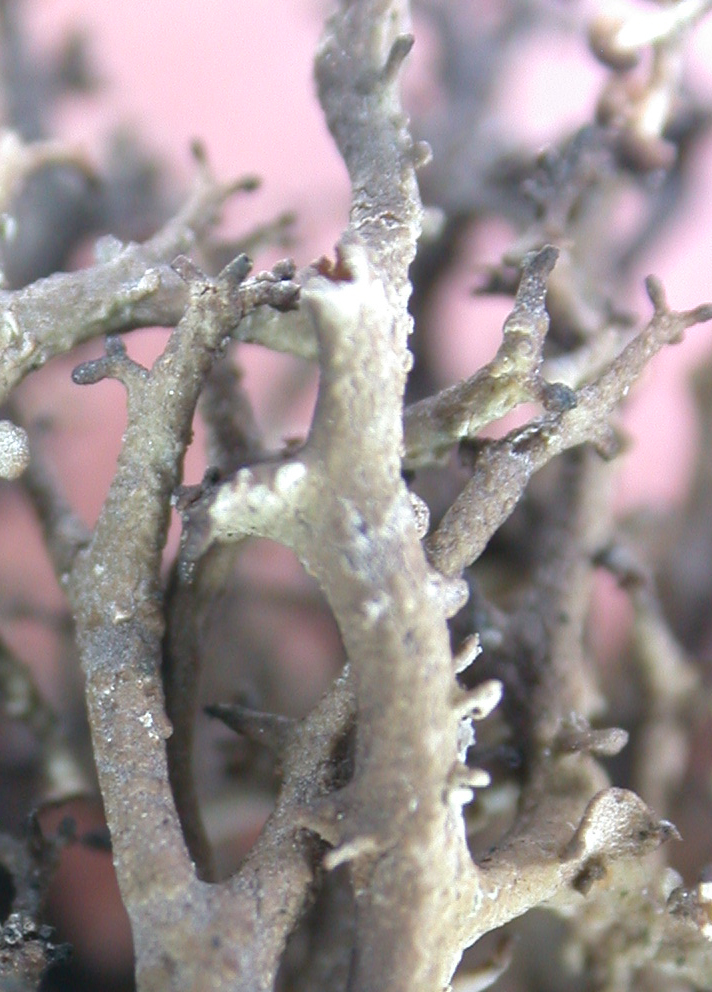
x=463, y=768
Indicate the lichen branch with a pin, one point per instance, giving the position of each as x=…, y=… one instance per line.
x=503, y=468
x=114, y=586
x=436, y=424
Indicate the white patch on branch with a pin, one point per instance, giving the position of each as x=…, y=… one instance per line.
x=14, y=450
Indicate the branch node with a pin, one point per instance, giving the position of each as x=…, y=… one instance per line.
x=467, y=653
x=364, y=845
x=463, y=782
x=115, y=364
x=618, y=823
x=656, y=295
x=576, y=735
x=269, y=729
x=199, y=152
x=610, y=443
x=478, y=703
x=421, y=154
x=275, y=288
x=245, y=184
x=700, y=314
x=399, y=50
x=235, y=273
x=452, y=593
x=286, y=268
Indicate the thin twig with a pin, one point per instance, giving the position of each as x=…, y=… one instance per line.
x=503, y=468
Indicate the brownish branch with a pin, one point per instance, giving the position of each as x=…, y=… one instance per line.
x=434, y=425
x=130, y=286
x=503, y=468
x=115, y=590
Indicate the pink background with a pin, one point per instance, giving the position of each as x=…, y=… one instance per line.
x=238, y=74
